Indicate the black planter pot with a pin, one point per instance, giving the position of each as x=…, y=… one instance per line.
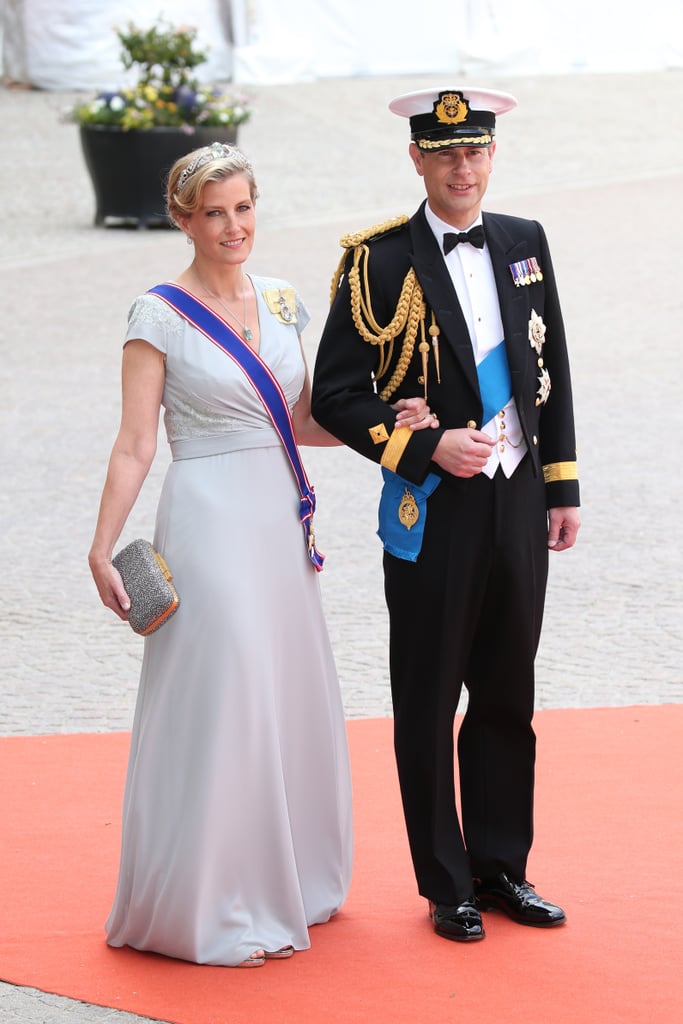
x=128, y=168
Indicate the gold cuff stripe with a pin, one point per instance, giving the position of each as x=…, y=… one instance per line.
x=556, y=471
x=396, y=445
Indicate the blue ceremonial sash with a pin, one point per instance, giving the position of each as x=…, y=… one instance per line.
x=264, y=384
x=495, y=383
x=402, y=537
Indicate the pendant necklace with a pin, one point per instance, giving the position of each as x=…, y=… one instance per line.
x=247, y=333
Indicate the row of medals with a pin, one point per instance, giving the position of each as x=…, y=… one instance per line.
x=526, y=272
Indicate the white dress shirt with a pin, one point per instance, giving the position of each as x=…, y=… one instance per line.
x=471, y=272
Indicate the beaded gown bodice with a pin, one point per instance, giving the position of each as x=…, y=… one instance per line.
x=205, y=394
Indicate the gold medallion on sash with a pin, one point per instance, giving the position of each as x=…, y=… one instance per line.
x=408, y=512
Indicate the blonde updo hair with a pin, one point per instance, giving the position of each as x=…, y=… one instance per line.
x=191, y=173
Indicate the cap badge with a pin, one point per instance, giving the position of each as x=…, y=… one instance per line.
x=451, y=108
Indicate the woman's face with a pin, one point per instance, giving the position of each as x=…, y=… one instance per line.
x=224, y=224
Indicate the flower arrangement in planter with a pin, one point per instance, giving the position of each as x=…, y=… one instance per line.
x=166, y=94
x=131, y=136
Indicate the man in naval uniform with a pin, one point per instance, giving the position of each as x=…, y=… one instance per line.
x=460, y=307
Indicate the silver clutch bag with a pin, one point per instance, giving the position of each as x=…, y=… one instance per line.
x=147, y=579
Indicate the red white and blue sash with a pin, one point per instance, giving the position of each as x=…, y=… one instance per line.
x=264, y=384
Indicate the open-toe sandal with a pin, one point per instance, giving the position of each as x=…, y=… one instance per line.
x=257, y=959
x=280, y=954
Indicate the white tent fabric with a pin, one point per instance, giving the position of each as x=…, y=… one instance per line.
x=70, y=44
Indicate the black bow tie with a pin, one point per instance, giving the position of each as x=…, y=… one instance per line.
x=475, y=236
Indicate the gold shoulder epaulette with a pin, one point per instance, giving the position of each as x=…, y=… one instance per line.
x=410, y=308
x=350, y=241
x=358, y=238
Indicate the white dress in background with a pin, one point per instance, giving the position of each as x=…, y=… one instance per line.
x=237, y=830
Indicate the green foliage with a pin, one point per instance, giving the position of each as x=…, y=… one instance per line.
x=163, y=55
x=166, y=93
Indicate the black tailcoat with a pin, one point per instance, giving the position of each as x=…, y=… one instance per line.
x=469, y=610
x=345, y=402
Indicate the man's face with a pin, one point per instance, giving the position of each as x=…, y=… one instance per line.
x=456, y=179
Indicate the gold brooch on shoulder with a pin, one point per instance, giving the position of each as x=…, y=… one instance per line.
x=281, y=302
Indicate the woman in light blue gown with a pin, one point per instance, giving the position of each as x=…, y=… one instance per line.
x=237, y=828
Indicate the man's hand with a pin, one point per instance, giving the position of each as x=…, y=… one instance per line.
x=463, y=452
x=563, y=526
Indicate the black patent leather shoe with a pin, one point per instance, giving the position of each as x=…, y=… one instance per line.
x=519, y=900
x=461, y=923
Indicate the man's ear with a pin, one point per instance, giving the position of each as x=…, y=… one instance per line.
x=492, y=150
x=416, y=157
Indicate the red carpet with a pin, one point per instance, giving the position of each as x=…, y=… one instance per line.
x=608, y=847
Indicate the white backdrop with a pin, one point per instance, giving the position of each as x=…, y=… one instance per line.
x=70, y=44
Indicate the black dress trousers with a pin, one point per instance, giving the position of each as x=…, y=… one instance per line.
x=469, y=611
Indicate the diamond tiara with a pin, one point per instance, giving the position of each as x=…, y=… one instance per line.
x=216, y=151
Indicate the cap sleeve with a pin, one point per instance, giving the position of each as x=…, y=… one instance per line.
x=303, y=317
x=152, y=320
